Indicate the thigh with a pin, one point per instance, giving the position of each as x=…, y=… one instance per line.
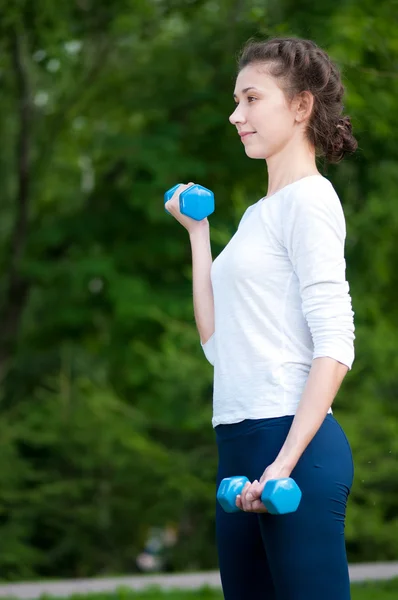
x=306, y=549
x=243, y=562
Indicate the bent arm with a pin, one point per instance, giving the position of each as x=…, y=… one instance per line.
x=323, y=383
x=315, y=237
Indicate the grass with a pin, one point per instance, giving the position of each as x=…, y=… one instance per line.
x=367, y=591
x=376, y=591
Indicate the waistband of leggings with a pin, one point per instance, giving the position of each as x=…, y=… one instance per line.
x=231, y=430
x=247, y=426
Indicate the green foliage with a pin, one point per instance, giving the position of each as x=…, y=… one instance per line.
x=105, y=392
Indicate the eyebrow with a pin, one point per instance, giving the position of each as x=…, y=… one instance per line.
x=247, y=89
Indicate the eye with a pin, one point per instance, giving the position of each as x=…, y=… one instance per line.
x=249, y=98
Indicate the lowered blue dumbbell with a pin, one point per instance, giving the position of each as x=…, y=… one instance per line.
x=280, y=496
x=196, y=201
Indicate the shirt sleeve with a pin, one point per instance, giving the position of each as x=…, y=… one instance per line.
x=314, y=232
x=209, y=349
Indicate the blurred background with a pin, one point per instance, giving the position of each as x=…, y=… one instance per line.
x=107, y=454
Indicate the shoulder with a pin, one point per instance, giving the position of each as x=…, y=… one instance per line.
x=312, y=210
x=314, y=200
x=310, y=193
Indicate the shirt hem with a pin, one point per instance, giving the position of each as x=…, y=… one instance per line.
x=237, y=417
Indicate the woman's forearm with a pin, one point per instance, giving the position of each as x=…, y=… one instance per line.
x=323, y=383
x=203, y=300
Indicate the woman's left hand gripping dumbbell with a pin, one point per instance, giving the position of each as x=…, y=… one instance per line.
x=249, y=500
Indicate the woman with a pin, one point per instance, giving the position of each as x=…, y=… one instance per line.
x=275, y=319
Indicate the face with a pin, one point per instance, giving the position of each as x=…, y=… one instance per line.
x=263, y=112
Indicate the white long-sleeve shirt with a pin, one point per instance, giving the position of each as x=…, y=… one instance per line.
x=281, y=299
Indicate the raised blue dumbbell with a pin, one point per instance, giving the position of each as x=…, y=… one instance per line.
x=280, y=496
x=196, y=201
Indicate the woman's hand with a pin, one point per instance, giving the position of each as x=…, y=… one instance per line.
x=250, y=498
x=173, y=207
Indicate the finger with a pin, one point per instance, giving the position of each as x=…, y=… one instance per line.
x=252, y=492
x=255, y=488
x=173, y=205
x=243, y=494
x=258, y=506
x=259, y=488
x=252, y=497
x=182, y=188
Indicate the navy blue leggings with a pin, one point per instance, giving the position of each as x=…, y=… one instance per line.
x=298, y=556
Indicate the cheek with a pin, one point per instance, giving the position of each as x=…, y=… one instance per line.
x=275, y=122
x=274, y=126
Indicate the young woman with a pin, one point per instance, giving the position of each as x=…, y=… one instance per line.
x=275, y=319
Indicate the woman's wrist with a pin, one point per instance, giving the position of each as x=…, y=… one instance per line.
x=199, y=230
x=285, y=463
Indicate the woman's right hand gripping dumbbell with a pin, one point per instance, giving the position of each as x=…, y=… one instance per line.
x=173, y=207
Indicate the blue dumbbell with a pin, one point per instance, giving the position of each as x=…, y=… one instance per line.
x=196, y=201
x=280, y=496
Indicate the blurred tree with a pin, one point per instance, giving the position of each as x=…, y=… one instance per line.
x=106, y=396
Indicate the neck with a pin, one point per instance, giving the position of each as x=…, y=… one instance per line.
x=293, y=162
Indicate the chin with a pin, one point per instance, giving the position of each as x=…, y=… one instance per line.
x=256, y=153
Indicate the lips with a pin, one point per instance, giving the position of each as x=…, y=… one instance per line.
x=245, y=133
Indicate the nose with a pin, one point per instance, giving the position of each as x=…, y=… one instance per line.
x=237, y=116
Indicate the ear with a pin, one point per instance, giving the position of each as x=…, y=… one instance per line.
x=304, y=106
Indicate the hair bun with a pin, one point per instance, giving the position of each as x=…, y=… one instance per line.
x=344, y=123
x=342, y=142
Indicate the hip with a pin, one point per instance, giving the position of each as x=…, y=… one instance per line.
x=248, y=447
